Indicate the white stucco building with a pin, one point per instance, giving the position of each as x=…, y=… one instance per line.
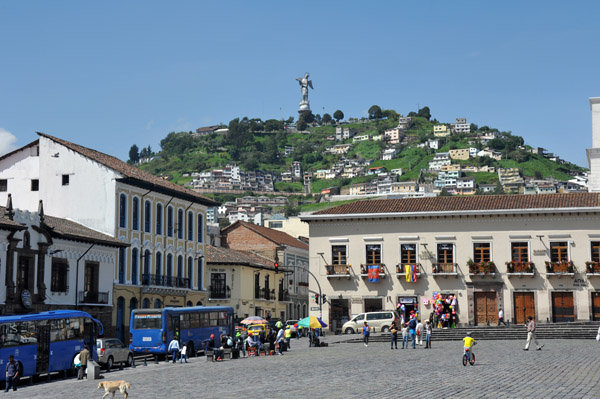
x=593, y=154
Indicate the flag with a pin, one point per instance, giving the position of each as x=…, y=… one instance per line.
x=373, y=273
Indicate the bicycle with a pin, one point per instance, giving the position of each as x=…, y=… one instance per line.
x=468, y=357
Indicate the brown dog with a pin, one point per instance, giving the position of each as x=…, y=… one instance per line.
x=114, y=386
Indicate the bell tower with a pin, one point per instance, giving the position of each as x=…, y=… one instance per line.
x=593, y=154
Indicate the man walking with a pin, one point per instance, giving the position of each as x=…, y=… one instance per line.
x=12, y=374
x=501, y=317
x=174, y=348
x=84, y=356
x=412, y=328
x=531, y=335
x=366, y=333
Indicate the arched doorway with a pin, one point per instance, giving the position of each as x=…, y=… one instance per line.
x=120, y=317
x=133, y=304
x=157, y=304
x=146, y=303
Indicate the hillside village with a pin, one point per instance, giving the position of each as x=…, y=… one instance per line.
x=385, y=155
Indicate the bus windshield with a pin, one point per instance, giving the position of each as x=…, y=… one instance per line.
x=147, y=321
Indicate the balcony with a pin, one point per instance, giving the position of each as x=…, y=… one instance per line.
x=445, y=269
x=218, y=293
x=264, y=294
x=364, y=269
x=592, y=268
x=338, y=271
x=165, y=281
x=520, y=269
x=284, y=296
x=93, y=297
x=414, y=271
x=481, y=268
x=561, y=268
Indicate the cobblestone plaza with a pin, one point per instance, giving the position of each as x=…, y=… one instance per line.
x=563, y=369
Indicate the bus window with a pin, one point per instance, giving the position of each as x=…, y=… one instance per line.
x=27, y=332
x=185, y=321
x=147, y=321
x=204, y=319
x=58, y=330
x=214, y=319
x=194, y=320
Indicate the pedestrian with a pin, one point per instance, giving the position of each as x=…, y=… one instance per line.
x=271, y=339
x=288, y=336
x=268, y=316
x=419, y=333
x=428, y=331
x=84, y=356
x=501, y=317
x=394, y=335
x=310, y=337
x=366, y=333
x=183, y=355
x=12, y=374
x=412, y=330
x=404, y=335
x=173, y=348
x=279, y=341
x=212, y=346
x=531, y=335
x=431, y=318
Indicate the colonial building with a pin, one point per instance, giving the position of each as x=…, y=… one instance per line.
x=52, y=263
x=245, y=281
x=290, y=253
x=531, y=255
x=164, y=224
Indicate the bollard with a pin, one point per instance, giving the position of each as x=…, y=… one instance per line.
x=145, y=363
x=155, y=359
x=133, y=363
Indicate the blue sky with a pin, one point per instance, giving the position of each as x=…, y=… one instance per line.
x=107, y=74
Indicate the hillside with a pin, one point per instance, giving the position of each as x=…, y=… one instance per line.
x=272, y=146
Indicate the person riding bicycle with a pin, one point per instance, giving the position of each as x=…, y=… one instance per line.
x=468, y=343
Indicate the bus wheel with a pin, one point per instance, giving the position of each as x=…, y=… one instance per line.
x=190, y=349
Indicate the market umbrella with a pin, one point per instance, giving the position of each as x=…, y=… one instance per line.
x=311, y=322
x=253, y=320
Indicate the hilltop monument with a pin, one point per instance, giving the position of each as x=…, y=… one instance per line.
x=593, y=154
x=304, y=85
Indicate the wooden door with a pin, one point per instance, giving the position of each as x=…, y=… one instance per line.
x=562, y=307
x=486, y=309
x=595, y=306
x=524, y=306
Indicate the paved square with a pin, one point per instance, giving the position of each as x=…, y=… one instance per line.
x=563, y=369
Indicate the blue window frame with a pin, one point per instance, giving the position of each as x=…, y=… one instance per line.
x=180, y=224
x=122, y=210
x=147, y=216
x=170, y=221
x=134, y=266
x=135, y=214
x=159, y=217
x=190, y=226
x=200, y=227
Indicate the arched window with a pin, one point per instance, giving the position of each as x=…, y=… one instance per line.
x=180, y=271
x=157, y=304
x=134, y=266
x=147, y=271
x=190, y=226
x=146, y=303
x=190, y=273
x=200, y=274
x=122, y=210
x=180, y=224
x=133, y=304
x=170, y=221
x=158, y=264
x=200, y=227
x=199, y=303
x=147, y=216
x=135, y=214
x=122, y=265
x=189, y=303
x=170, y=269
x=159, y=217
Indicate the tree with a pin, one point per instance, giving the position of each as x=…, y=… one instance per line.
x=445, y=193
x=375, y=112
x=424, y=113
x=499, y=189
x=473, y=127
x=338, y=115
x=134, y=155
x=326, y=119
x=301, y=125
x=290, y=120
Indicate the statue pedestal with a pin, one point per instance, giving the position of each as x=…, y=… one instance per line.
x=304, y=107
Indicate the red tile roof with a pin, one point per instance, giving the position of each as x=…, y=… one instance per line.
x=220, y=255
x=471, y=203
x=278, y=237
x=67, y=229
x=131, y=172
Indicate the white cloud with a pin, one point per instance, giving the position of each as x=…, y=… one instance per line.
x=8, y=141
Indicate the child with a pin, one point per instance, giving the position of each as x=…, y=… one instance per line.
x=404, y=335
x=428, y=330
x=419, y=332
x=468, y=343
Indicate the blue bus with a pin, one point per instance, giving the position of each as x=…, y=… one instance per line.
x=47, y=342
x=151, y=330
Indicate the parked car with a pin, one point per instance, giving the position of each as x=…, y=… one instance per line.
x=112, y=351
x=379, y=321
x=255, y=329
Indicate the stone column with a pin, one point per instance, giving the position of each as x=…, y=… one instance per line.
x=593, y=154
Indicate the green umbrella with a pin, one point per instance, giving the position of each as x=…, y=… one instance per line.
x=311, y=322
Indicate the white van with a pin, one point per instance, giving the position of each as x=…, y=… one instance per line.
x=379, y=321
